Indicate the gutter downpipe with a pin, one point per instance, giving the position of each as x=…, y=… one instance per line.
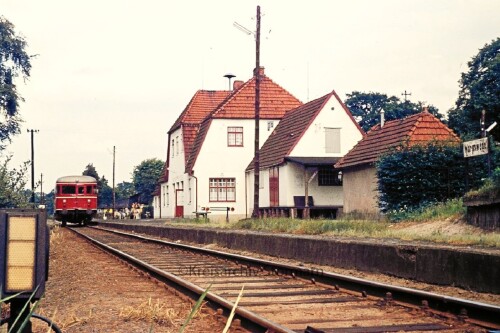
x=196, y=189
x=246, y=195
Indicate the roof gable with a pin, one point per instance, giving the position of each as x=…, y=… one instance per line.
x=274, y=101
x=288, y=132
x=201, y=104
x=417, y=129
x=291, y=129
x=240, y=104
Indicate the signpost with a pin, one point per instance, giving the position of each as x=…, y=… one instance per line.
x=476, y=147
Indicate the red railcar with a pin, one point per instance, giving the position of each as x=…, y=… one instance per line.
x=75, y=199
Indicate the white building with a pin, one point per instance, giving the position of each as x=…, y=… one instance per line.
x=297, y=161
x=210, y=145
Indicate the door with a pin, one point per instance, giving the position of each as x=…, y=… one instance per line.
x=274, y=187
x=179, y=203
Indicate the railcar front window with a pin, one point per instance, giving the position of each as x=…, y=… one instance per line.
x=89, y=189
x=68, y=189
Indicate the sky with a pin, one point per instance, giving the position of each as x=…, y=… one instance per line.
x=117, y=73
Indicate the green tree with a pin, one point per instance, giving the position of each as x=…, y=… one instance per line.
x=12, y=184
x=479, y=90
x=105, y=194
x=124, y=190
x=146, y=176
x=14, y=62
x=366, y=108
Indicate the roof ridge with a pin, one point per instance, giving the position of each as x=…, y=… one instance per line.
x=229, y=98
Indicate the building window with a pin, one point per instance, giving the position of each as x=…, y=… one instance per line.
x=328, y=176
x=235, y=136
x=332, y=140
x=177, y=145
x=222, y=189
x=270, y=125
x=173, y=147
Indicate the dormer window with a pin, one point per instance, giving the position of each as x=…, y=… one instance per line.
x=235, y=136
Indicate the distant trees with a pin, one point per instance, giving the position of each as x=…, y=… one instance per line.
x=105, y=195
x=479, y=90
x=146, y=175
x=366, y=106
x=12, y=185
x=14, y=62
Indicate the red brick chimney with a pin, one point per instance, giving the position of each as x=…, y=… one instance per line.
x=237, y=84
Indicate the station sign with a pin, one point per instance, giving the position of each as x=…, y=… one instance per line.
x=476, y=147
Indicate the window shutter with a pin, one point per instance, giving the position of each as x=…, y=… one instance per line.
x=332, y=140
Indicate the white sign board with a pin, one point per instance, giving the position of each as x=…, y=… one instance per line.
x=476, y=147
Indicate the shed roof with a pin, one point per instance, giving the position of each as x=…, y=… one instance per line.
x=291, y=129
x=420, y=128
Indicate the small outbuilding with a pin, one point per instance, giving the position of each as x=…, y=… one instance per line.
x=358, y=166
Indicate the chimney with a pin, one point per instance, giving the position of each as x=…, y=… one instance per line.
x=382, y=118
x=261, y=70
x=237, y=84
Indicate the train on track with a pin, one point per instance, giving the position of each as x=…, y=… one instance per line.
x=75, y=199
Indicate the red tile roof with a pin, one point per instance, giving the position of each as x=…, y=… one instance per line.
x=202, y=103
x=420, y=128
x=274, y=103
x=291, y=129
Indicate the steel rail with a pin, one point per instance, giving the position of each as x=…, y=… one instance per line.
x=248, y=319
x=482, y=314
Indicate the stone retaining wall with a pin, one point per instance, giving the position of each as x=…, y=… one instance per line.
x=484, y=214
x=470, y=269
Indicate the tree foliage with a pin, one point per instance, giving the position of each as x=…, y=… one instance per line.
x=411, y=178
x=479, y=90
x=105, y=194
x=124, y=190
x=366, y=108
x=12, y=184
x=145, y=177
x=14, y=62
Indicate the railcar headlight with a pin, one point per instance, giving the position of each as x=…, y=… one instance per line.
x=88, y=200
x=21, y=254
x=64, y=200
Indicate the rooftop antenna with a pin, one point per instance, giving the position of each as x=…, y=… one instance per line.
x=229, y=77
x=243, y=29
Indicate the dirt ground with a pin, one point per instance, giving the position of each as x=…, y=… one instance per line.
x=88, y=291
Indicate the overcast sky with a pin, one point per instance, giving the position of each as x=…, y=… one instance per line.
x=119, y=72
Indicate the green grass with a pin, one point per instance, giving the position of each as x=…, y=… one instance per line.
x=451, y=208
x=416, y=225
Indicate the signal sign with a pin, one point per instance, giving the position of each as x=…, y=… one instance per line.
x=476, y=147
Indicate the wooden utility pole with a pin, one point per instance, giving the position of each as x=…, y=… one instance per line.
x=41, y=189
x=406, y=94
x=114, y=201
x=32, y=131
x=255, y=212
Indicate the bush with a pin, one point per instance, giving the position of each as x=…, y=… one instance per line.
x=410, y=178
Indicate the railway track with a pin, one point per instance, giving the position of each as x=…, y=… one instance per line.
x=283, y=298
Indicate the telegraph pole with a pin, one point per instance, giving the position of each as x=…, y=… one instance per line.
x=255, y=213
x=41, y=189
x=406, y=94
x=114, y=197
x=32, y=131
